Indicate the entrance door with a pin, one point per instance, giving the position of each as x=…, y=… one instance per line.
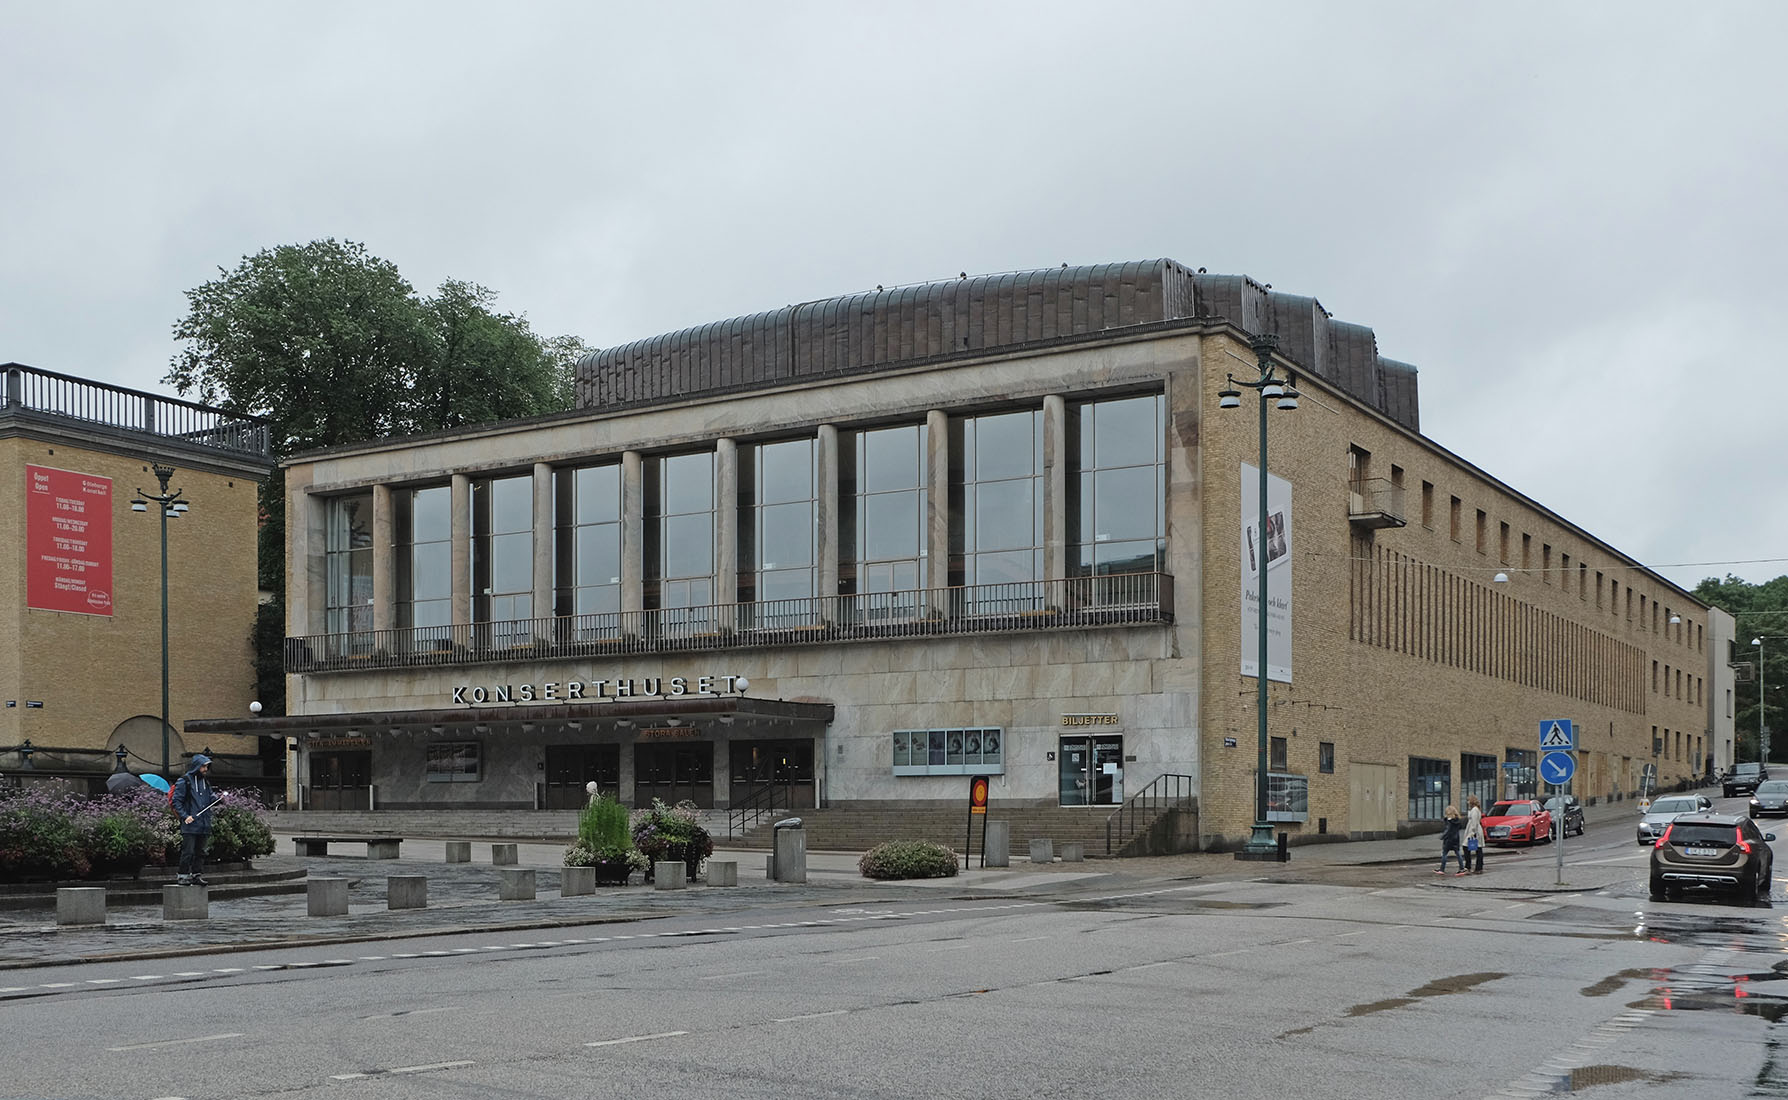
x=338, y=780
x=785, y=765
x=674, y=772
x=570, y=767
x=1091, y=771
x=1372, y=790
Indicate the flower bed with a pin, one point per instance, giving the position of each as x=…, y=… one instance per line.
x=603, y=842
x=45, y=837
x=670, y=833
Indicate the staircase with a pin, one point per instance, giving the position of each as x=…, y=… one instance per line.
x=859, y=828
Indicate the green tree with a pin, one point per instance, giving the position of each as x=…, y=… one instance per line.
x=332, y=345
x=1761, y=611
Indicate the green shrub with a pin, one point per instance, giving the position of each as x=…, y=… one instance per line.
x=238, y=832
x=668, y=834
x=908, y=859
x=604, y=824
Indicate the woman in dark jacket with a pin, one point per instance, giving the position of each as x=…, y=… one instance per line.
x=1449, y=840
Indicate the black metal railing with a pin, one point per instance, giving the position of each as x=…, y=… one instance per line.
x=742, y=817
x=1075, y=602
x=65, y=397
x=1169, y=791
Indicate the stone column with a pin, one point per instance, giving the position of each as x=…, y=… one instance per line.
x=633, y=526
x=1055, y=497
x=937, y=505
x=461, y=551
x=542, y=605
x=726, y=532
x=384, y=563
x=827, y=515
x=306, y=574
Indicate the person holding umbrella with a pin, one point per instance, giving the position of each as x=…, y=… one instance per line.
x=193, y=802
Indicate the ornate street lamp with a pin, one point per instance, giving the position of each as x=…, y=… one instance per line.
x=1278, y=389
x=172, y=506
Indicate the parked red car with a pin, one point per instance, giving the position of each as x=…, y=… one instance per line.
x=1522, y=821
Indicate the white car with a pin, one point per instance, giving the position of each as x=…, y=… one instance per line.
x=1665, y=810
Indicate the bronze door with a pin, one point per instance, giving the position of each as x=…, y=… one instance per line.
x=674, y=772
x=570, y=768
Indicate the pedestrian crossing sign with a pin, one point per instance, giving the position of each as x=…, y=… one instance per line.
x=1557, y=734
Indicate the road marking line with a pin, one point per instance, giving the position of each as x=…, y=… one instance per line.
x=104, y=981
x=809, y=1016
x=145, y=977
x=857, y=959
x=1151, y=966
x=1226, y=954
x=189, y=973
x=179, y=1042
x=265, y=966
x=465, y=951
x=635, y=1039
x=723, y=977
x=433, y=1066
x=230, y=970
x=405, y=955
x=1028, y=939
x=15, y=989
x=57, y=985
x=372, y=958
x=1344, y=935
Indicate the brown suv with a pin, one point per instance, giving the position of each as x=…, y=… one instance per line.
x=1712, y=851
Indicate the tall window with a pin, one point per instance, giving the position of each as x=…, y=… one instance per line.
x=503, y=555
x=587, y=554
x=1115, y=514
x=997, y=505
x=425, y=560
x=1430, y=788
x=778, y=529
x=347, y=551
x=1477, y=775
x=882, y=552
x=679, y=530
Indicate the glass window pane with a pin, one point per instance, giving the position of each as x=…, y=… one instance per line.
x=689, y=545
x=891, y=526
x=1126, y=433
x=431, y=515
x=1003, y=446
x=892, y=459
x=785, y=471
x=512, y=505
x=688, y=483
x=901, y=754
x=787, y=535
x=1125, y=504
x=1004, y=568
x=431, y=576
x=598, y=494
x=1126, y=557
x=1003, y=515
x=599, y=599
x=599, y=554
x=431, y=613
x=512, y=563
x=785, y=584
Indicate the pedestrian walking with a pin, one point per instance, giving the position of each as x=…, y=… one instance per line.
x=1450, y=840
x=194, y=800
x=1474, y=837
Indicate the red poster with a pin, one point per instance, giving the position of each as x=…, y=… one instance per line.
x=68, y=541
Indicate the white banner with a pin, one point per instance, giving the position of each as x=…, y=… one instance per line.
x=1267, y=546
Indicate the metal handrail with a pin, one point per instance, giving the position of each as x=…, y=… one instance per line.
x=748, y=813
x=63, y=396
x=1168, y=791
x=1074, y=602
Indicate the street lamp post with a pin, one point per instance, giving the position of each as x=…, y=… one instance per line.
x=1271, y=387
x=1762, y=730
x=172, y=504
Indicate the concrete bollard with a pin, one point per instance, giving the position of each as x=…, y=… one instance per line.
x=670, y=874
x=327, y=897
x=81, y=905
x=1043, y=851
x=996, y=845
x=791, y=855
x=406, y=892
x=185, y=903
x=504, y=855
x=723, y=872
x=459, y=851
x=577, y=881
x=770, y=867
x=1073, y=852
x=518, y=883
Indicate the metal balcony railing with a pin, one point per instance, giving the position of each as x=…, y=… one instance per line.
x=1075, y=602
x=64, y=397
x=1375, y=502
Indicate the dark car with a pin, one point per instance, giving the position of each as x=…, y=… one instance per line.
x=1567, y=814
x=1706, y=851
x=1743, y=779
x=1771, y=798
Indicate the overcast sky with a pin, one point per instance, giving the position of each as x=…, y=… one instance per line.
x=1568, y=216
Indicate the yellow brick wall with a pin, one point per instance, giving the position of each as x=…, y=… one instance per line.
x=94, y=672
x=1380, y=706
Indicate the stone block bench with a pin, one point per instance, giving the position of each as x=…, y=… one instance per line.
x=377, y=847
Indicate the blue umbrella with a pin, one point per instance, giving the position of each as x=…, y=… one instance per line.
x=155, y=781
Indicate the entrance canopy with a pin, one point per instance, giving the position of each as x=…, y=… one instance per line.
x=643, y=713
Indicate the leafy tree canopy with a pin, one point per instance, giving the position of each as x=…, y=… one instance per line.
x=1761, y=611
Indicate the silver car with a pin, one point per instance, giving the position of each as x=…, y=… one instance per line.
x=1665, y=810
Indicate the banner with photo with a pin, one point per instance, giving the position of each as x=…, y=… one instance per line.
x=1266, y=546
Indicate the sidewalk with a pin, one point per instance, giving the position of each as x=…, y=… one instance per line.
x=463, y=897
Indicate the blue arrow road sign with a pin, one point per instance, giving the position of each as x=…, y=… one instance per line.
x=1557, y=733
x=1557, y=768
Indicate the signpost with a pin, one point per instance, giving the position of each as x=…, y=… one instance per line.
x=1558, y=763
x=977, y=807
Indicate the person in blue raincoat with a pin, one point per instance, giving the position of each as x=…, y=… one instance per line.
x=193, y=805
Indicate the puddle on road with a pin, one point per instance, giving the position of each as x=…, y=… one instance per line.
x=1440, y=987
x=1614, y=981
x=1586, y=1077
x=1176, y=904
